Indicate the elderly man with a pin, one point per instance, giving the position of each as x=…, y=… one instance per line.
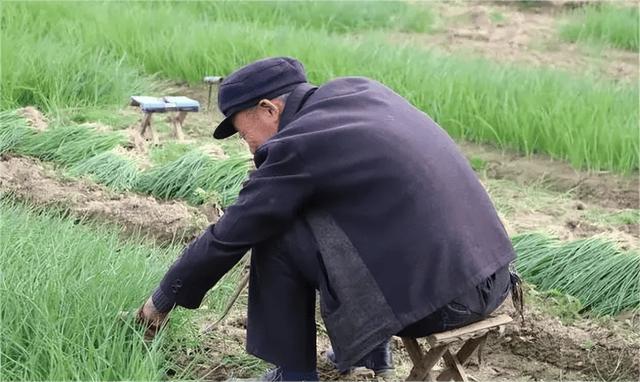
x=358, y=195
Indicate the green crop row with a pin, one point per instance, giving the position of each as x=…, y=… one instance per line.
x=110, y=169
x=590, y=123
x=193, y=176
x=612, y=24
x=602, y=277
x=330, y=16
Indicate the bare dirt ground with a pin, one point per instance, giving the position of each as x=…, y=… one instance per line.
x=515, y=33
x=539, y=194
x=34, y=118
x=605, y=189
x=27, y=179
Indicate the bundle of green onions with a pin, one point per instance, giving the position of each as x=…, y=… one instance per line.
x=13, y=130
x=605, y=279
x=225, y=178
x=109, y=169
x=67, y=145
x=175, y=179
x=194, y=172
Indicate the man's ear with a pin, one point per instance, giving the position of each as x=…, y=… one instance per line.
x=269, y=106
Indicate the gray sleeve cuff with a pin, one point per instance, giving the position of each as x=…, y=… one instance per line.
x=162, y=302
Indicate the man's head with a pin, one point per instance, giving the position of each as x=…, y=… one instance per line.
x=259, y=123
x=253, y=97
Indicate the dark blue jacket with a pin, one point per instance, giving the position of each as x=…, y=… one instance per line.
x=400, y=217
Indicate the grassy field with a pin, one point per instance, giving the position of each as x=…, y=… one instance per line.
x=121, y=50
x=62, y=286
x=615, y=25
x=330, y=16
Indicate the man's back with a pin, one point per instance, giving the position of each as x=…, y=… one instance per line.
x=399, y=188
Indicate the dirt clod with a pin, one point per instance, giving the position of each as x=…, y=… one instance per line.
x=34, y=118
x=585, y=347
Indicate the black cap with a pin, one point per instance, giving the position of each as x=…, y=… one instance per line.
x=244, y=88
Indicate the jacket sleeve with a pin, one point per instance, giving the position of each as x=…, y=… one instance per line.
x=267, y=204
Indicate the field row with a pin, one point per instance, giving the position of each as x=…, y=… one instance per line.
x=193, y=176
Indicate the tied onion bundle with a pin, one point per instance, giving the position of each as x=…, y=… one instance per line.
x=605, y=279
x=13, y=130
x=109, y=169
x=194, y=176
x=68, y=145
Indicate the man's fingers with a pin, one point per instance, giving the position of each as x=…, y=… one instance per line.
x=151, y=326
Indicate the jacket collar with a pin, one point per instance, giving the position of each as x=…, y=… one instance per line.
x=294, y=103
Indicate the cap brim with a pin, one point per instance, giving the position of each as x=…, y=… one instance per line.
x=225, y=129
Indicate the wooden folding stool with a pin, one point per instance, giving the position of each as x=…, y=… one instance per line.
x=472, y=336
x=150, y=105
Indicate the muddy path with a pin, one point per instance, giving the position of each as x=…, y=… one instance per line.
x=28, y=180
x=601, y=188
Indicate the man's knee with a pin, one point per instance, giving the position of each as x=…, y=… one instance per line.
x=294, y=248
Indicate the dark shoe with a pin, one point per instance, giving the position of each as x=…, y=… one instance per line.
x=279, y=374
x=380, y=360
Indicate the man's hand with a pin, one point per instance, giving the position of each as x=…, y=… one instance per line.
x=152, y=320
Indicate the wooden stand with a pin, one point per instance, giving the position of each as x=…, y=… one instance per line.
x=474, y=337
x=150, y=105
x=176, y=121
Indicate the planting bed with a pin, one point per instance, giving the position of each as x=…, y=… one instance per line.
x=27, y=180
x=92, y=214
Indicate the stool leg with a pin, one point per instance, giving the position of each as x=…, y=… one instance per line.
x=480, y=348
x=178, y=120
x=146, y=122
x=454, y=370
x=422, y=363
x=154, y=137
x=469, y=347
x=415, y=353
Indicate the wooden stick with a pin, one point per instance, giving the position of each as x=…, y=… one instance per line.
x=239, y=288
